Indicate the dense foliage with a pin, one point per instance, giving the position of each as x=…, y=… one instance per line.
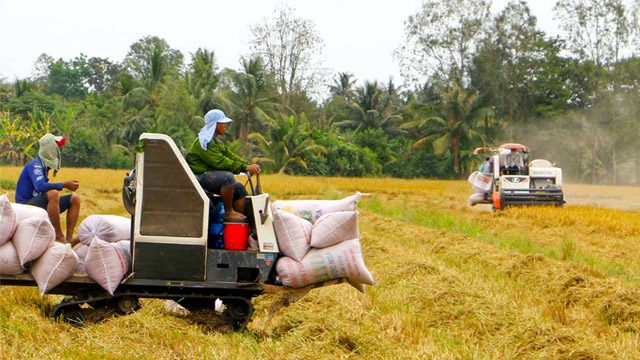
x=471, y=80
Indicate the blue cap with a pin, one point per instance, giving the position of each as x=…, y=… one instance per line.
x=216, y=116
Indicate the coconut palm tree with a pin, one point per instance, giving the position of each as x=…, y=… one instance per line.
x=149, y=60
x=249, y=98
x=202, y=79
x=450, y=124
x=285, y=144
x=368, y=109
x=343, y=86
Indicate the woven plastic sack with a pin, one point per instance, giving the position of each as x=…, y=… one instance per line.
x=482, y=183
x=125, y=246
x=472, y=177
x=110, y=228
x=56, y=265
x=24, y=212
x=81, y=252
x=311, y=210
x=343, y=260
x=8, y=219
x=9, y=261
x=32, y=238
x=476, y=198
x=106, y=264
x=335, y=227
x=293, y=234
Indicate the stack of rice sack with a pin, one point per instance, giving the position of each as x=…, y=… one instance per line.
x=27, y=240
x=104, y=251
x=321, y=241
x=481, y=184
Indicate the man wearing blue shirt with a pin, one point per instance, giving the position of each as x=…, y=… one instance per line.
x=34, y=188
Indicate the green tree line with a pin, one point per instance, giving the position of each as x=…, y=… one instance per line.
x=470, y=79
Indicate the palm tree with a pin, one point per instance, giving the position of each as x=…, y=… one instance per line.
x=343, y=85
x=450, y=124
x=285, y=144
x=202, y=79
x=250, y=98
x=367, y=110
x=150, y=60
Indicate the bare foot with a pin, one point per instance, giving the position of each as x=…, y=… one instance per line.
x=234, y=215
x=61, y=239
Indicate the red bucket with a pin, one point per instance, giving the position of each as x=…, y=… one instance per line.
x=236, y=234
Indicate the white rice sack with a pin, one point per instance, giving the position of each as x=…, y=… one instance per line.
x=24, y=212
x=482, y=183
x=125, y=246
x=110, y=228
x=476, y=198
x=8, y=219
x=81, y=252
x=9, y=261
x=32, y=238
x=359, y=286
x=56, y=265
x=313, y=209
x=294, y=234
x=472, y=177
x=106, y=264
x=343, y=260
x=335, y=227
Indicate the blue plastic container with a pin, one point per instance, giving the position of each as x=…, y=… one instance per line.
x=216, y=227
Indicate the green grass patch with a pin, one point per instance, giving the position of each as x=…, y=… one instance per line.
x=523, y=244
x=7, y=184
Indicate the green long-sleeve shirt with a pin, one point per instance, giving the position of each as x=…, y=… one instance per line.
x=216, y=157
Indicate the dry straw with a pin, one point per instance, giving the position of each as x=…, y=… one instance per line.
x=452, y=283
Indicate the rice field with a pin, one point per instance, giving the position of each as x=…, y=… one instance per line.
x=453, y=282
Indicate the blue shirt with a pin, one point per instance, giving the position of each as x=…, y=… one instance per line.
x=34, y=181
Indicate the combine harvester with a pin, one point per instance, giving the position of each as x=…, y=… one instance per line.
x=538, y=182
x=170, y=256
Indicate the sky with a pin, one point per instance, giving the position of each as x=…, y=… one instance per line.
x=360, y=36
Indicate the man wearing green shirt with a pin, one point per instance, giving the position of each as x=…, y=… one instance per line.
x=214, y=165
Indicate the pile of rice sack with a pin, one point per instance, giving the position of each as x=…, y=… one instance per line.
x=321, y=241
x=104, y=251
x=481, y=184
x=27, y=241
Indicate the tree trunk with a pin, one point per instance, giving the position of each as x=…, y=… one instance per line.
x=593, y=164
x=578, y=161
x=486, y=126
x=638, y=164
x=455, y=143
x=614, y=168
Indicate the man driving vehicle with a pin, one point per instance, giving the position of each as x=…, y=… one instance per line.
x=214, y=165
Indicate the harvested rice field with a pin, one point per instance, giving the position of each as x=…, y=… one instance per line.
x=453, y=282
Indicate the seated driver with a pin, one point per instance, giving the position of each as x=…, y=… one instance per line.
x=513, y=162
x=214, y=165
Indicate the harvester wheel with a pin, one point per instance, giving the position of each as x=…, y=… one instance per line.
x=71, y=314
x=235, y=314
x=128, y=304
x=238, y=312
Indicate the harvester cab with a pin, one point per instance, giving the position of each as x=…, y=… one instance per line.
x=514, y=180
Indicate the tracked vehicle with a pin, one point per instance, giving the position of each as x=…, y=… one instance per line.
x=536, y=182
x=170, y=255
